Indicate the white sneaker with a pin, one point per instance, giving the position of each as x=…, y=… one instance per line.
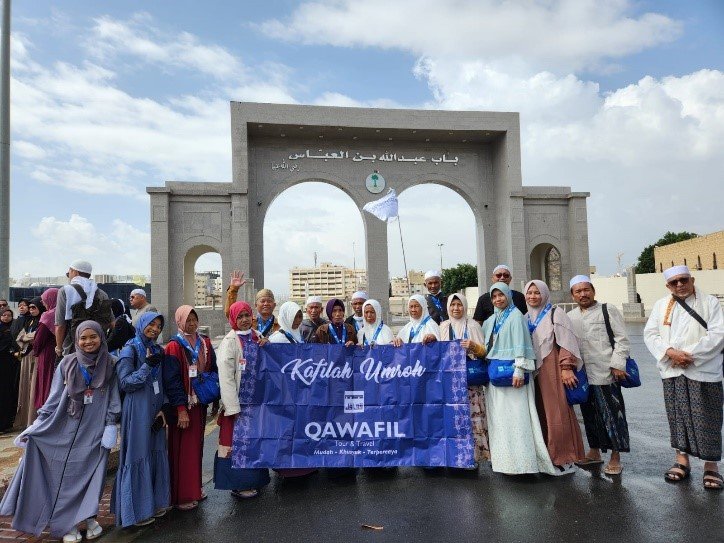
x=73, y=536
x=94, y=529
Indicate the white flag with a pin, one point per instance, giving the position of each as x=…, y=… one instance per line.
x=385, y=208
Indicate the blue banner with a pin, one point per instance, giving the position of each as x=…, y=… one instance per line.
x=333, y=406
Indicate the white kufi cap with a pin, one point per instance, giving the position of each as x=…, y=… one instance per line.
x=359, y=295
x=433, y=273
x=313, y=300
x=138, y=292
x=502, y=267
x=580, y=279
x=82, y=266
x=676, y=270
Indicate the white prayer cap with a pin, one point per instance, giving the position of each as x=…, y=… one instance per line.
x=676, y=270
x=82, y=266
x=502, y=267
x=138, y=292
x=580, y=279
x=313, y=300
x=359, y=295
x=433, y=273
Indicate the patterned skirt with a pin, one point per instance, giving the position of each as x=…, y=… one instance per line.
x=479, y=422
x=694, y=410
x=604, y=417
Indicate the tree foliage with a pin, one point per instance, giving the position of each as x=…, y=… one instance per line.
x=646, y=262
x=459, y=277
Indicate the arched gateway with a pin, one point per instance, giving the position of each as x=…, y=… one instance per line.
x=274, y=147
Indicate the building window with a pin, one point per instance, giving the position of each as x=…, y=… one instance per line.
x=698, y=262
x=713, y=261
x=685, y=264
x=661, y=266
x=554, y=277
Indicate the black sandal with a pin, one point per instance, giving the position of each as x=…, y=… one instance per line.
x=716, y=481
x=674, y=476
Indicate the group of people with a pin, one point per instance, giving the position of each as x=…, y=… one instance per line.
x=151, y=391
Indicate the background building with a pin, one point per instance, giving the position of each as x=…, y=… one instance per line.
x=207, y=288
x=702, y=253
x=399, y=285
x=326, y=280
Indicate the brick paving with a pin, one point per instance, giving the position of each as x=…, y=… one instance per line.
x=105, y=518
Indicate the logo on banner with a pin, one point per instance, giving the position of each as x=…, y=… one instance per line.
x=354, y=401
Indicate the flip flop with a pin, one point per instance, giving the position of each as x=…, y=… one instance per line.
x=674, y=476
x=715, y=480
x=187, y=506
x=613, y=470
x=245, y=494
x=585, y=462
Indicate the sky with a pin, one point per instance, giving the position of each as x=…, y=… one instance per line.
x=623, y=99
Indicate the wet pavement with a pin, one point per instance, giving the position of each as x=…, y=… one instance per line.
x=413, y=504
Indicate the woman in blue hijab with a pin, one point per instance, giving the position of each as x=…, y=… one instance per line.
x=142, y=489
x=514, y=432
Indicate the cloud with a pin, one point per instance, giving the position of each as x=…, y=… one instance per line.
x=140, y=38
x=563, y=34
x=120, y=249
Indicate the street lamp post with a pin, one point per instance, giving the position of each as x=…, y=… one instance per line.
x=440, y=246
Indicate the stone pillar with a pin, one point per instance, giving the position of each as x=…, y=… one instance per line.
x=160, y=244
x=378, y=281
x=633, y=310
x=482, y=261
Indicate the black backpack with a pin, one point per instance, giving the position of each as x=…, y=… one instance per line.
x=99, y=311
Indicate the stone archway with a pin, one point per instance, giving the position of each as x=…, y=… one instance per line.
x=275, y=146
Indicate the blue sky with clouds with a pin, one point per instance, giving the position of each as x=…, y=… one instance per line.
x=623, y=99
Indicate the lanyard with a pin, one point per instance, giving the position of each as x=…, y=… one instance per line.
x=503, y=317
x=358, y=325
x=87, y=377
x=533, y=325
x=375, y=335
x=291, y=337
x=333, y=332
x=263, y=326
x=436, y=302
x=415, y=331
x=194, y=352
x=452, y=332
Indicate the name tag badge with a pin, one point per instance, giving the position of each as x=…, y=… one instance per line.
x=88, y=397
x=193, y=372
x=242, y=365
x=156, y=389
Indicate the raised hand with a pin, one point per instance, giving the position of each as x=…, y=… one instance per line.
x=237, y=279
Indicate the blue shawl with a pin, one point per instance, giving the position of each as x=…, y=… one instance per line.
x=513, y=338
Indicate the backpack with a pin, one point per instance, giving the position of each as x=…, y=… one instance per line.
x=99, y=311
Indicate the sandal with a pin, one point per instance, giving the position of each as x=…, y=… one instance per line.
x=73, y=536
x=245, y=494
x=613, y=470
x=146, y=522
x=715, y=480
x=187, y=506
x=160, y=513
x=674, y=476
x=93, y=529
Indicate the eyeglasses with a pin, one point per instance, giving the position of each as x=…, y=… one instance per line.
x=502, y=275
x=679, y=281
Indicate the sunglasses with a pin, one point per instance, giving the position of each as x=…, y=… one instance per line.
x=679, y=281
x=502, y=275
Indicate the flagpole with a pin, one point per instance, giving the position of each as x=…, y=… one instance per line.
x=404, y=261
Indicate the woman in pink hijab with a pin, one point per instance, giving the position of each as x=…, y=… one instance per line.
x=44, y=347
x=557, y=346
x=195, y=356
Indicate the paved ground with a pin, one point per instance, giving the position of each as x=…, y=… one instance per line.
x=443, y=505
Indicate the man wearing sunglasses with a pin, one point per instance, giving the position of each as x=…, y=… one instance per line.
x=685, y=334
x=484, y=307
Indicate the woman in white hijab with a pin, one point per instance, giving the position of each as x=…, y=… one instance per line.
x=290, y=318
x=373, y=331
x=421, y=328
x=470, y=334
